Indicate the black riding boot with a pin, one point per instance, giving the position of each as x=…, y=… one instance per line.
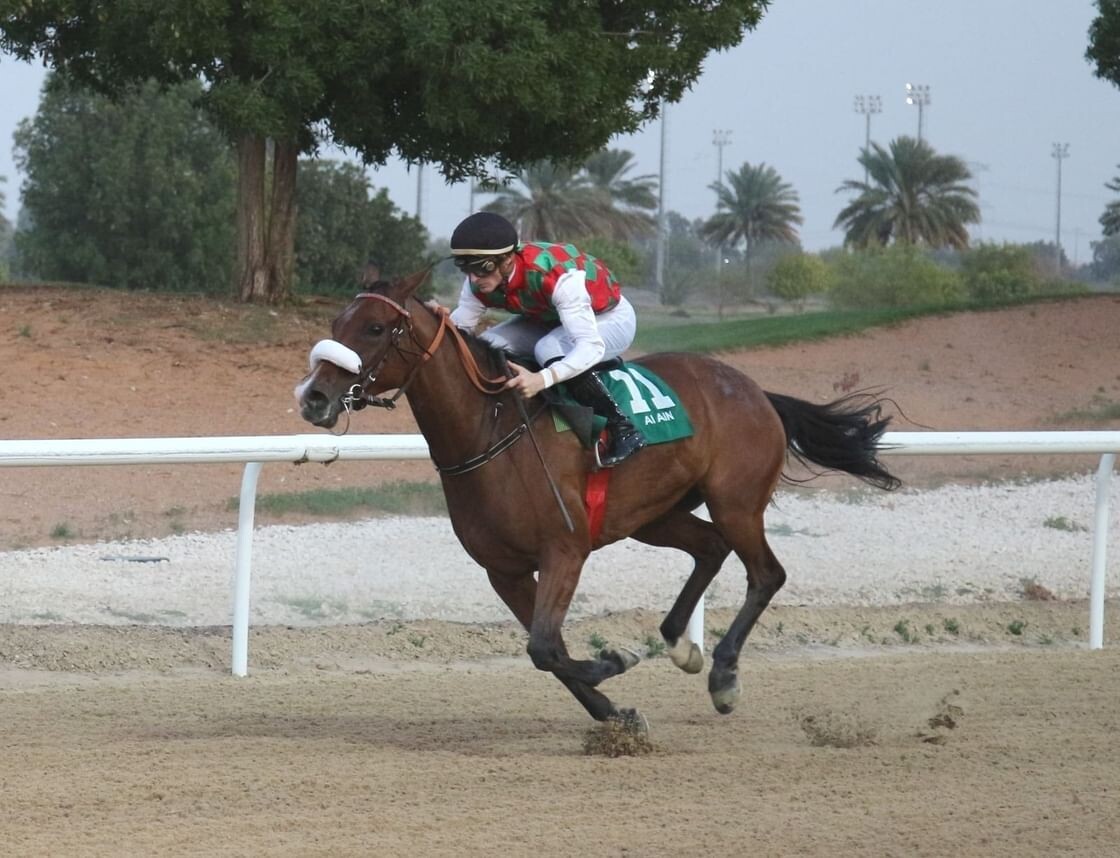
x=623, y=438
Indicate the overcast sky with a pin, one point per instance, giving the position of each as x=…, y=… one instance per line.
x=1007, y=79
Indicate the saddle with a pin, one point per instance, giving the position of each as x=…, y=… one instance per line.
x=663, y=419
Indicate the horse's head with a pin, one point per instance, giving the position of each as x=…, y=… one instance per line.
x=368, y=352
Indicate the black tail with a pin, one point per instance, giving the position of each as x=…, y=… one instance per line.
x=840, y=436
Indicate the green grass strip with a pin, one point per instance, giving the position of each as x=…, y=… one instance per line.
x=657, y=336
x=397, y=498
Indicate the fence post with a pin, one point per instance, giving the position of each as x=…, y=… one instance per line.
x=243, y=572
x=1100, y=547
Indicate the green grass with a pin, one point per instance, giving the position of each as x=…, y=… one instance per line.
x=659, y=331
x=1060, y=522
x=764, y=331
x=1101, y=410
x=397, y=498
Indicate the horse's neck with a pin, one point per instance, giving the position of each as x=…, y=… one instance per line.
x=453, y=415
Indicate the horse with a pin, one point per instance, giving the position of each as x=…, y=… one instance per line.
x=533, y=542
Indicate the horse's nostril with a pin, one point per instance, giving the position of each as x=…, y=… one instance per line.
x=315, y=399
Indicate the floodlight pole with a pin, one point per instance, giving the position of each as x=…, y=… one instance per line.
x=867, y=105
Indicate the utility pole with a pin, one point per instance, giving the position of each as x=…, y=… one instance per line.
x=720, y=138
x=867, y=105
x=419, y=191
x=1059, y=152
x=918, y=94
x=659, y=263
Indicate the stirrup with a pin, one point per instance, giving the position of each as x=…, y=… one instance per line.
x=621, y=448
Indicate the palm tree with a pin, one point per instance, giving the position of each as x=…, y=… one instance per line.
x=629, y=199
x=554, y=202
x=912, y=196
x=548, y=201
x=755, y=205
x=1110, y=220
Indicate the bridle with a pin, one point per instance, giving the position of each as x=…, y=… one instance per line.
x=358, y=397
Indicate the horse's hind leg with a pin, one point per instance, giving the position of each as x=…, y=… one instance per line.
x=765, y=576
x=681, y=529
x=519, y=592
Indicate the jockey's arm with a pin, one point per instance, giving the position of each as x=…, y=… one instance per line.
x=470, y=310
x=573, y=304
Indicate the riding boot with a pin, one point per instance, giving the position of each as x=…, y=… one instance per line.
x=623, y=439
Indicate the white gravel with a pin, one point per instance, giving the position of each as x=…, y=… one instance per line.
x=954, y=544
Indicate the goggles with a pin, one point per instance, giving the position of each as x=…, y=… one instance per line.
x=478, y=265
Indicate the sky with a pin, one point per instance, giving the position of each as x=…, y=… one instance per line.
x=1007, y=80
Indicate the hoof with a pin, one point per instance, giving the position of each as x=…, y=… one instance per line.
x=623, y=657
x=687, y=656
x=724, y=689
x=633, y=721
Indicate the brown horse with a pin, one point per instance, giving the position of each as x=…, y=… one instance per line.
x=497, y=481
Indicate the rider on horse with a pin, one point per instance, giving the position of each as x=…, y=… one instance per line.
x=567, y=311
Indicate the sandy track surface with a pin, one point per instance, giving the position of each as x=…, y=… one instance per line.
x=903, y=696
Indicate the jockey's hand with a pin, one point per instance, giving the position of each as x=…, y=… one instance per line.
x=526, y=382
x=436, y=307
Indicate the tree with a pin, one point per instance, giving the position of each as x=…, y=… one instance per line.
x=5, y=236
x=341, y=227
x=629, y=202
x=449, y=83
x=755, y=205
x=912, y=196
x=1105, y=267
x=137, y=194
x=1104, y=41
x=1110, y=220
x=550, y=201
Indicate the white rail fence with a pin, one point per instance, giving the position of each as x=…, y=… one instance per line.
x=255, y=451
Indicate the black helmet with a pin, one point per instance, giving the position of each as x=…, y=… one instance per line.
x=483, y=234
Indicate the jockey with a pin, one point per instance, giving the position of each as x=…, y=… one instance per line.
x=567, y=311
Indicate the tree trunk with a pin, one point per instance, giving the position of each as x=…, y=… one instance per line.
x=266, y=217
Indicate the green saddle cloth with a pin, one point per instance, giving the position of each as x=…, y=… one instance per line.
x=643, y=396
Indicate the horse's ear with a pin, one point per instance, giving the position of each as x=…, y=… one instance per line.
x=408, y=284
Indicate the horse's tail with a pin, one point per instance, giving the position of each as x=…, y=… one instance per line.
x=842, y=435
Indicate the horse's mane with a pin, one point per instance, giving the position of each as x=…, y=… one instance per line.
x=488, y=355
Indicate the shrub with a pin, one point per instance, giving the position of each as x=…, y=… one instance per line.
x=999, y=272
x=896, y=276
x=797, y=276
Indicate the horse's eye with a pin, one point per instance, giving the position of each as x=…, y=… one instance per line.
x=375, y=330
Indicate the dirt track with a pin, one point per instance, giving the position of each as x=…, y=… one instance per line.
x=980, y=753
x=436, y=739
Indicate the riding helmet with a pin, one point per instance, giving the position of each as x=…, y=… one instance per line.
x=483, y=234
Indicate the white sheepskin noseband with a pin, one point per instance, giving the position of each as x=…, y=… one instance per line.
x=335, y=352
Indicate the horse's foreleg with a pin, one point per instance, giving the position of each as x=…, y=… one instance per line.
x=519, y=594
x=681, y=529
x=765, y=576
x=556, y=583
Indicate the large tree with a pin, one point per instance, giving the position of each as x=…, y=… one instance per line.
x=1104, y=41
x=448, y=82
x=135, y=194
x=341, y=226
x=912, y=196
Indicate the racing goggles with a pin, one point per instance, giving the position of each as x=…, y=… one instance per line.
x=477, y=265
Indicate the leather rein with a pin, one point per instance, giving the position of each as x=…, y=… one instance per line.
x=358, y=397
